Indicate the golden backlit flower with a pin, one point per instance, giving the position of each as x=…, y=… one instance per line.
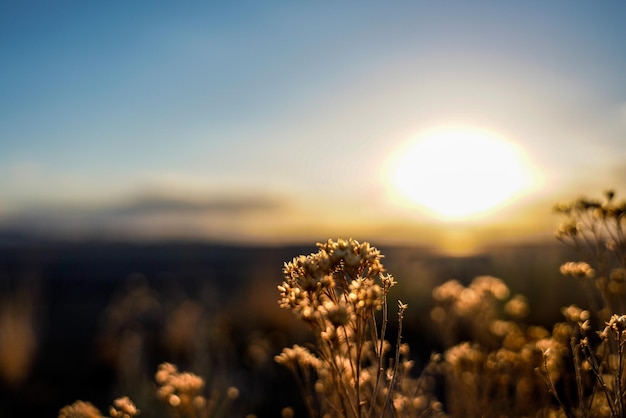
x=577, y=269
x=123, y=408
x=80, y=409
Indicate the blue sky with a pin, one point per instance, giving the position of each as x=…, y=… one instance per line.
x=291, y=109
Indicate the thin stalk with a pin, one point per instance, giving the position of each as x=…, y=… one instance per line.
x=548, y=381
x=379, y=343
x=357, y=375
x=579, y=383
x=620, y=372
x=598, y=373
x=340, y=385
x=397, y=358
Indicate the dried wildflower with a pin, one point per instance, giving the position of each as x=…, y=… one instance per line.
x=339, y=292
x=577, y=269
x=165, y=370
x=575, y=314
x=464, y=356
x=340, y=271
x=80, y=409
x=338, y=315
x=517, y=307
x=617, y=323
x=365, y=295
x=297, y=355
x=567, y=230
x=174, y=400
x=123, y=408
x=449, y=291
x=491, y=285
x=178, y=389
x=388, y=282
x=553, y=353
x=585, y=326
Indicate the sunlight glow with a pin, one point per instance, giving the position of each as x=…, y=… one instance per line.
x=459, y=174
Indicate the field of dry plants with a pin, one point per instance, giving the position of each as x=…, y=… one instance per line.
x=481, y=352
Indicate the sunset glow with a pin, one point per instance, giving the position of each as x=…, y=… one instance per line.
x=412, y=122
x=459, y=174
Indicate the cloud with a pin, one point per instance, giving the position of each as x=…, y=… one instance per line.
x=150, y=205
x=154, y=215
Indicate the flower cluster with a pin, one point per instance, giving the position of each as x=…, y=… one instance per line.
x=338, y=292
x=491, y=357
x=577, y=269
x=345, y=268
x=595, y=228
x=597, y=337
x=181, y=390
x=298, y=355
x=575, y=314
x=122, y=408
x=470, y=312
x=615, y=329
x=183, y=393
x=80, y=409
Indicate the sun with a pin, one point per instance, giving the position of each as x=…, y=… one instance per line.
x=459, y=174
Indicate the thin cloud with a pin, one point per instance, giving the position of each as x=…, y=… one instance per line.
x=133, y=216
x=150, y=205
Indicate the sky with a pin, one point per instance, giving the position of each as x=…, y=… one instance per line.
x=278, y=122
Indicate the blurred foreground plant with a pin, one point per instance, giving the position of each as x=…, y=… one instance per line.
x=595, y=228
x=491, y=355
x=340, y=293
x=121, y=408
x=182, y=392
x=598, y=337
x=497, y=369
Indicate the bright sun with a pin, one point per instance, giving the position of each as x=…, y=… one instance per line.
x=459, y=174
